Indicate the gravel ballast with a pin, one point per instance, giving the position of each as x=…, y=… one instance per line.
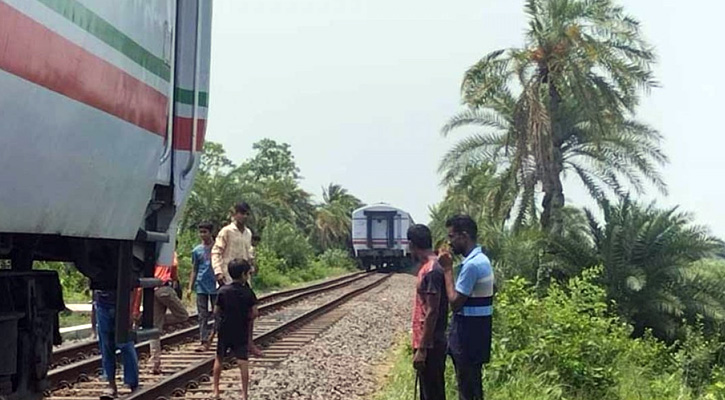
x=342, y=362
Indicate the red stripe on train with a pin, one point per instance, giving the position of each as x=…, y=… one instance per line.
x=183, y=132
x=35, y=53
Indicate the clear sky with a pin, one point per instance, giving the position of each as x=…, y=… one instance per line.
x=360, y=89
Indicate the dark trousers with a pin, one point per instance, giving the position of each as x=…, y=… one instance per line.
x=204, y=306
x=468, y=377
x=432, y=377
x=106, y=320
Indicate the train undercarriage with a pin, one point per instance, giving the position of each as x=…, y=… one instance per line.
x=383, y=259
x=30, y=300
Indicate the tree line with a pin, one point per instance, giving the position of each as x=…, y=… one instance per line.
x=301, y=239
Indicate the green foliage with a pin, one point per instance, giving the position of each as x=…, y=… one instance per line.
x=273, y=162
x=70, y=318
x=649, y=257
x=293, y=228
x=568, y=334
x=215, y=190
x=76, y=287
x=269, y=182
x=700, y=358
x=273, y=274
x=333, y=219
x=288, y=244
x=336, y=258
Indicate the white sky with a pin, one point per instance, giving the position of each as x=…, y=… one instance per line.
x=360, y=89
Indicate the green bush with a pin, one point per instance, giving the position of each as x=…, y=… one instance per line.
x=336, y=258
x=288, y=244
x=273, y=273
x=76, y=287
x=270, y=271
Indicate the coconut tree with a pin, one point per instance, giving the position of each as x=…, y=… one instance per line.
x=569, y=93
x=333, y=220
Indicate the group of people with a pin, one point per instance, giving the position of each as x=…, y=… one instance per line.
x=220, y=278
x=470, y=297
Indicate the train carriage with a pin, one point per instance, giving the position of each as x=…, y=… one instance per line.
x=103, y=107
x=379, y=236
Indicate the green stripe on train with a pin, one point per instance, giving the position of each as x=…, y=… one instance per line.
x=186, y=96
x=107, y=33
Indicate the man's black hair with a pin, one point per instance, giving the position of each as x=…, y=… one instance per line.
x=242, y=208
x=463, y=224
x=237, y=268
x=206, y=225
x=419, y=235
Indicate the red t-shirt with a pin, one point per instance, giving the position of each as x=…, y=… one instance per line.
x=430, y=281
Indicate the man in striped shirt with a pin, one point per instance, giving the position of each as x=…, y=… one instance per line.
x=471, y=298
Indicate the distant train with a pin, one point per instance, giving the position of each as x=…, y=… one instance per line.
x=104, y=107
x=379, y=236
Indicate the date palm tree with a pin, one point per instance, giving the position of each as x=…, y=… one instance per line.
x=654, y=261
x=564, y=101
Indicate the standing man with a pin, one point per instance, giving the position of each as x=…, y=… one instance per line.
x=165, y=298
x=430, y=313
x=234, y=242
x=202, y=281
x=93, y=262
x=104, y=303
x=471, y=298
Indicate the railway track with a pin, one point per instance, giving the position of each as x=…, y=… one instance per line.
x=66, y=355
x=284, y=325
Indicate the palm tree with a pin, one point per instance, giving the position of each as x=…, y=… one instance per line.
x=578, y=77
x=601, y=163
x=215, y=189
x=333, y=220
x=652, y=261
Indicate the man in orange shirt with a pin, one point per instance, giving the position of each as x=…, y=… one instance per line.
x=165, y=298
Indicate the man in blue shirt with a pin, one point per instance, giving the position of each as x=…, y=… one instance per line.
x=471, y=299
x=202, y=281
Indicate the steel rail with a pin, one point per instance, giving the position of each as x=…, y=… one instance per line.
x=188, y=378
x=70, y=354
x=81, y=371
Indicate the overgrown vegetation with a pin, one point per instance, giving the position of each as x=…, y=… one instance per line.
x=301, y=240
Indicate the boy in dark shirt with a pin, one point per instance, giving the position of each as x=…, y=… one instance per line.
x=235, y=309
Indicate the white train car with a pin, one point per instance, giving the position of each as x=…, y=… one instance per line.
x=103, y=108
x=379, y=236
